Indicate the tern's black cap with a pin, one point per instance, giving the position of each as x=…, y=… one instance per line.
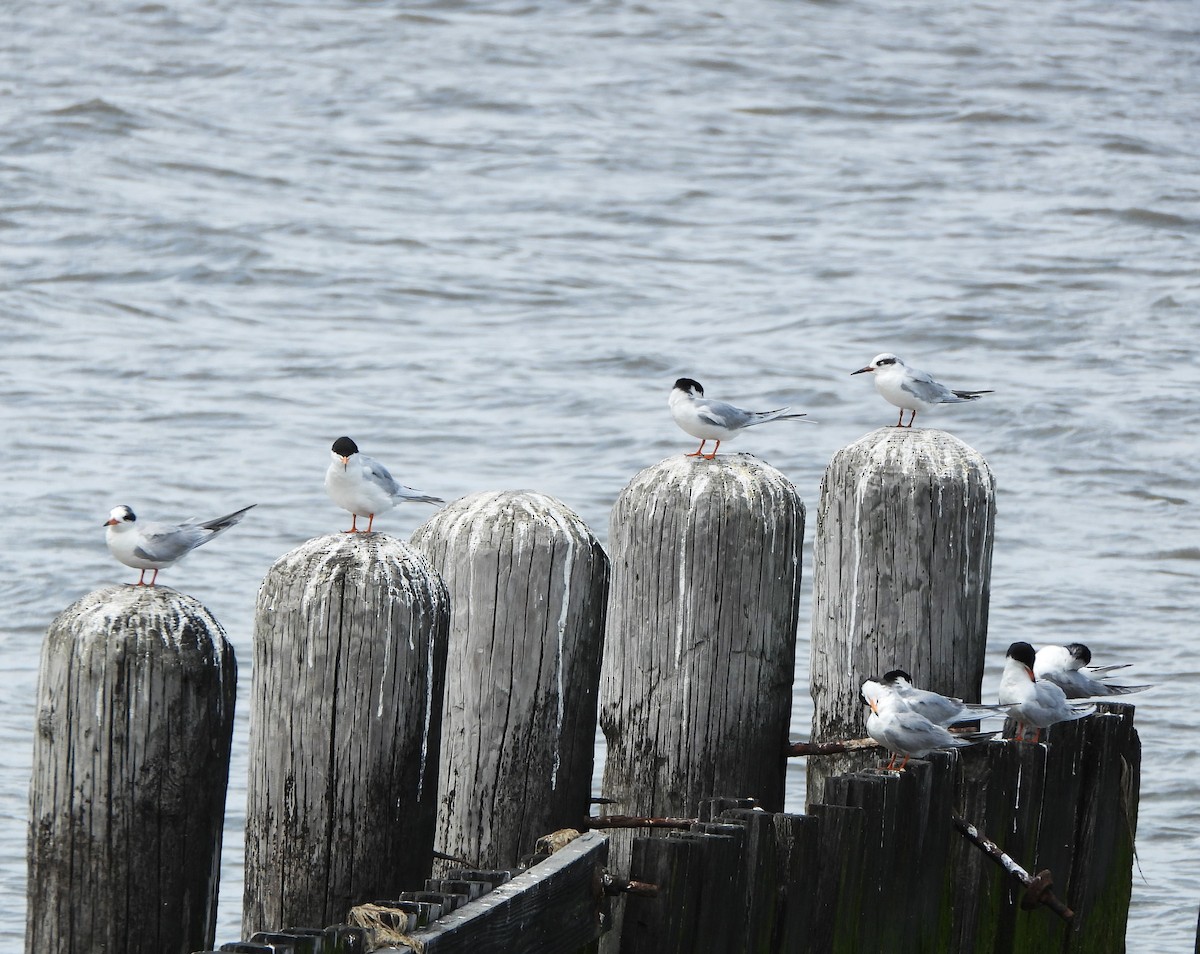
x=897, y=674
x=1080, y=652
x=689, y=384
x=1022, y=653
x=344, y=447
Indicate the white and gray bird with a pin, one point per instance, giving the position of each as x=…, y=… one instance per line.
x=911, y=389
x=1032, y=701
x=152, y=546
x=363, y=486
x=904, y=732
x=709, y=420
x=939, y=709
x=1064, y=666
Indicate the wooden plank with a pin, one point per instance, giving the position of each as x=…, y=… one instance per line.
x=1102, y=874
x=724, y=890
x=764, y=878
x=135, y=706
x=1000, y=791
x=901, y=569
x=349, y=657
x=554, y=907
x=839, y=880
x=528, y=584
x=797, y=858
x=668, y=924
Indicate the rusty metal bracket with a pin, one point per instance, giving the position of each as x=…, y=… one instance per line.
x=1038, y=888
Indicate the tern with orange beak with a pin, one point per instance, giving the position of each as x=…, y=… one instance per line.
x=911, y=389
x=904, y=732
x=709, y=420
x=152, y=546
x=363, y=486
x=1032, y=701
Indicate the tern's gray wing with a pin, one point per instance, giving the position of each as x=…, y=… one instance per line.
x=163, y=543
x=922, y=386
x=380, y=475
x=916, y=734
x=1076, y=685
x=722, y=414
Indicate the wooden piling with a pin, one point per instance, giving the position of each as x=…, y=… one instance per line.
x=528, y=585
x=349, y=661
x=696, y=686
x=902, y=563
x=131, y=757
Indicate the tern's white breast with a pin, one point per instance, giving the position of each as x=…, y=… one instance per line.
x=353, y=490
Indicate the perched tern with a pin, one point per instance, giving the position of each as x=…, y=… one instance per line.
x=1032, y=701
x=363, y=486
x=910, y=389
x=717, y=421
x=939, y=709
x=1064, y=666
x=904, y=732
x=152, y=546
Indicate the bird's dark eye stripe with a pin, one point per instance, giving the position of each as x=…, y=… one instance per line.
x=888, y=361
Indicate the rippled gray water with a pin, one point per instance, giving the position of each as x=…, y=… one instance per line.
x=483, y=238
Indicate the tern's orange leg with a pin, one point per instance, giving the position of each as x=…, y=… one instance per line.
x=714, y=453
x=370, y=522
x=699, y=450
x=353, y=524
x=154, y=579
x=142, y=578
x=900, y=419
x=904, y=763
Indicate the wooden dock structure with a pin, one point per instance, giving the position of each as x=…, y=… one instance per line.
x=422, y=712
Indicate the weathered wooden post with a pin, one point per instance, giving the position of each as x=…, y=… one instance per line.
x=699, y=651
x=528, y=585
x=130, y=761
x=696, y=686
x=349, y=660
x=902, y=562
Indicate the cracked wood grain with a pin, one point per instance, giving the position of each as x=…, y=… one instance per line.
x=349, y=659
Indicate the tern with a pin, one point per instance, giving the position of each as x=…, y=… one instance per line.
x=152, y=546
x=904, y=732
x=911, y=389
x=363, y=486
x=939, y=709
x=1064, y=666
x=710, y=420
x=1032, y=701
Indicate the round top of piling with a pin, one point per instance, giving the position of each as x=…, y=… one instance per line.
x=902, y=450
x=492, y=508
x=699, y=477
x=365, y=557
x=126, y=610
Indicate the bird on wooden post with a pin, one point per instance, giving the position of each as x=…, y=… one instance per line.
x=152, y=546
x=911, y=389
x=1064, y=666
x=364, y=487
x=711, y=420
x=902, y=731
x=1032, y=701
